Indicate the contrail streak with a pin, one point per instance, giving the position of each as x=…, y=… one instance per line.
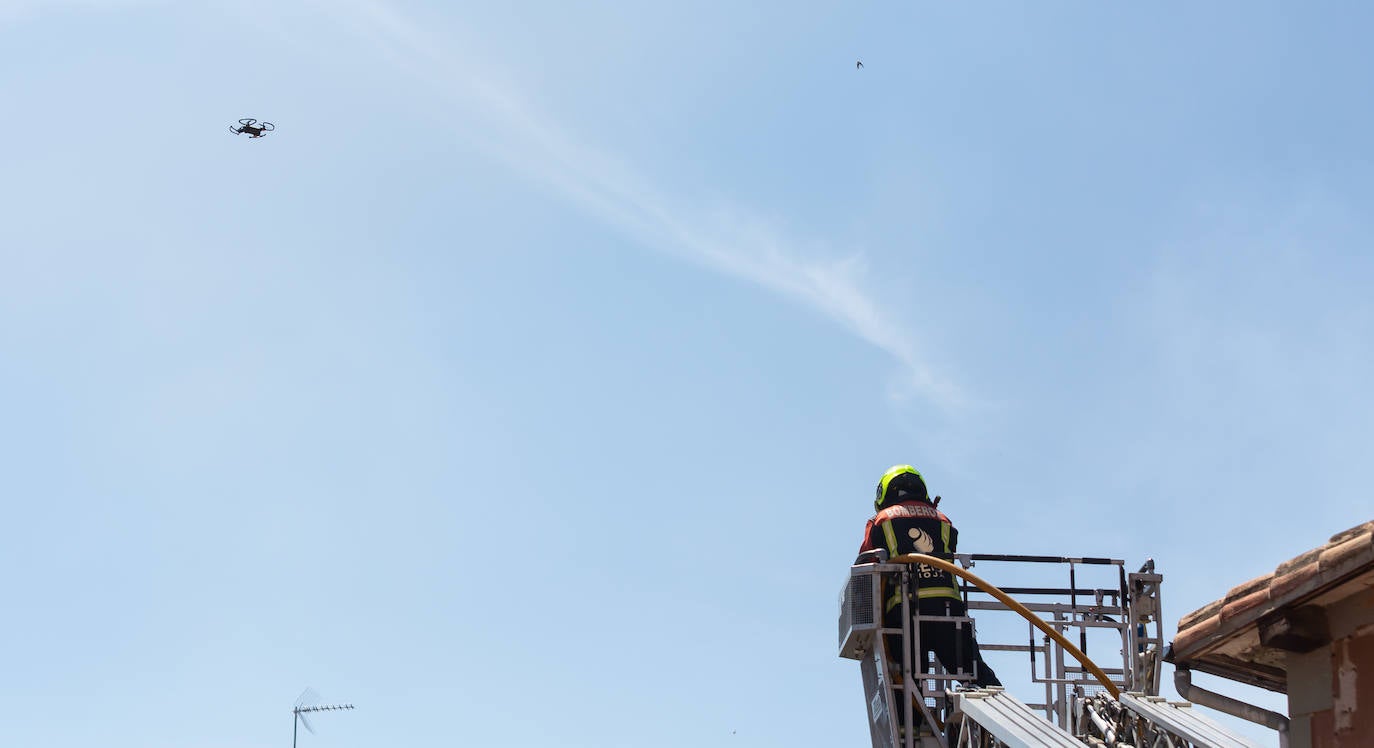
x=517, y=133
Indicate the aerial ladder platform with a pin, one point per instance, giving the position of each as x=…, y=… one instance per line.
x=913, y=701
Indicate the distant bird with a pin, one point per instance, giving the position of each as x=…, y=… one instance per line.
x=859, y=65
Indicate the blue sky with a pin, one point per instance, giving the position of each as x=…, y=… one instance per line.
x=528, y=385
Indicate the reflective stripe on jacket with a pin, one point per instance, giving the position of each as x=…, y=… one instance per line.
x=915, y=527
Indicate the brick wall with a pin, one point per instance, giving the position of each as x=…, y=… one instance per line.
x=1331, y=689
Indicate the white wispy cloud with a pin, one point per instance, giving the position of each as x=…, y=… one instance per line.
x=734, y=243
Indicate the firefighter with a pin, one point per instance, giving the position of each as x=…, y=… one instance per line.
x=907, y=521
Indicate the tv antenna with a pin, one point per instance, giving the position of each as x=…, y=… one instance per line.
x=305, y=704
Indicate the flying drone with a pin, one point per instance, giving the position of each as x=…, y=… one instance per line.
x=254, y=128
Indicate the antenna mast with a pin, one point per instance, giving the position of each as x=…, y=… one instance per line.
x=299, y=711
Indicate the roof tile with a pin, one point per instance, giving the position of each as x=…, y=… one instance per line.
x=1210, y=609
x=1350, y=551
x=1198, y=631
x=1241, y=590
x=1236, y=606
x=1361, y=529
x=1294, y=578
x=1303, y=560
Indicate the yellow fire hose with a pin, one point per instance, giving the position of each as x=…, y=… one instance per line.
x=921, y=558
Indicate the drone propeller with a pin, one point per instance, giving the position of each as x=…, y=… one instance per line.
x=267, y=126
x=247, y=121
x=308, y=697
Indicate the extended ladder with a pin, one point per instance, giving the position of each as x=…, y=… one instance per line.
x=903, y=689
x=1137, y=719
x=989, y=717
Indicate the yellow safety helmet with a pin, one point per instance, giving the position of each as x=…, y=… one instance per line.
x=901, y=478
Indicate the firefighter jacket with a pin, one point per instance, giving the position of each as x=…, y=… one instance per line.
x=915, y=527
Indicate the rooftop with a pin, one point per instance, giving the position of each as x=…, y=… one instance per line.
x=1245, y=635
